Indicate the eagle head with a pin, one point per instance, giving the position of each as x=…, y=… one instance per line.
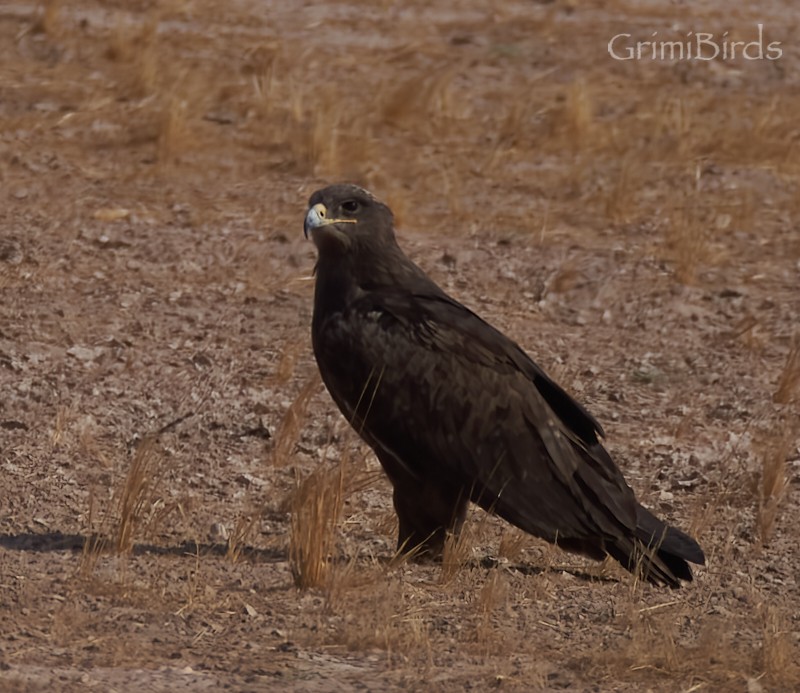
x=342, y=215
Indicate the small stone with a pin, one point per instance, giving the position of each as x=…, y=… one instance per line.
x=218, y=532
x=85, y=353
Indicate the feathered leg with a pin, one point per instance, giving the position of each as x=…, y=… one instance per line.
x=427, y=514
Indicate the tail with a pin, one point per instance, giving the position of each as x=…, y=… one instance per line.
x=659, y=553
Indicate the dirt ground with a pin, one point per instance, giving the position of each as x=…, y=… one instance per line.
x=633, y=224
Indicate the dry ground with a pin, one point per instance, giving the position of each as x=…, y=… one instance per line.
x=167, y=450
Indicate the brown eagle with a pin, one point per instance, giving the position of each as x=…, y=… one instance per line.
x=457, y=412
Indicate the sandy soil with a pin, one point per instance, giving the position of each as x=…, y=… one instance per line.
x=633, y=224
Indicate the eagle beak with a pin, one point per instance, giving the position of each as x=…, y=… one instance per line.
x=318, y=216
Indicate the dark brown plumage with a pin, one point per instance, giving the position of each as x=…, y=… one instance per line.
x=457, y=412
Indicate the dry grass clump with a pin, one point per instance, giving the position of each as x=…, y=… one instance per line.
x=654, y=638
x=685, y=649
x=136, y=508
x=63, y=415
x=260, y=64
x=512, y=543
x=292, y=423
x=243, y=529
x=790, y=375
x=428, y=100
x=620, y=200
x=699, y=220
x=140, y=502
x=456, y=554
x=380, y=609
x=174, y=132
x=774, y=480
x=778, y=659
x=286, y=438
x=492, y=601
x=137, y=48
x=315, y=510
x=579, y=114
x=687, y=239
x=51, y=17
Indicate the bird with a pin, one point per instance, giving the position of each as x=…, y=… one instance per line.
x=457, y=413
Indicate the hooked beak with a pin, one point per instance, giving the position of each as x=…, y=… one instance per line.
x=318, y=216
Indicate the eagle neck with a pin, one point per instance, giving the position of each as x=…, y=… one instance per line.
x=344, y=277
x=335, y=286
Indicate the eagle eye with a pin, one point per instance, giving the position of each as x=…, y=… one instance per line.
x=350, y=206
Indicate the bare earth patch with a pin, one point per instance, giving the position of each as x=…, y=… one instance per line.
x=183, y=508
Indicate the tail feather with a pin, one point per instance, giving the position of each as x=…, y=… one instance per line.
x=660, y=553
x=654, y=532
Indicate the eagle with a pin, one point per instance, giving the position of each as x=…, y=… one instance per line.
x=457, y=412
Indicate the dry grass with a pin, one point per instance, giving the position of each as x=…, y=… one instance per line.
x=774, y=479
x=344, y=577
x=243, y=530
x=512, y=544
x=96, y=542
x=285, y=440
x=492, y=604
x=378, y=609
x=293, y=420
x=136, y=48
x=457, y=552
x=653, y=642
x=790, y=375
x=621, y=201
x=140, y=493
x=260, y=65
x=778, y=661
x=579, y=115
x=63, y=416
x=51, y=20
x=315, y=508
x=687, y=238
x=137, y=508
x=174, y=132
x=287, y=363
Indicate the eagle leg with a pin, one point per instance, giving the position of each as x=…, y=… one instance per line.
x=427, y=514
